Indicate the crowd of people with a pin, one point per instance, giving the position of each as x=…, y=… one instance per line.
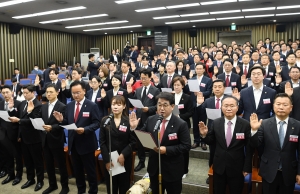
x=255, y=85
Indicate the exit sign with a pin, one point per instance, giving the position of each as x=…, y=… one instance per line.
x=148, y=32
x=233, y=27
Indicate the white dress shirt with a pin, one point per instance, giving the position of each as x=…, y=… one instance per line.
x=295, y=84
x=94, y=95
x=177, y=98
x=284, y=125
x=257, y=94
x=116, y=92
x=147, y=90
x=115, y=58
x=199, y=79
x=233, y=122
x=50, y=107
x=167, y=121
x=80, y=105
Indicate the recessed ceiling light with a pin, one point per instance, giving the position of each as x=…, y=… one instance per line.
x=194, y=26
x=259, y=16
x=230, y=18
x=126, y=1
x=105, y=33
x=288, y=7
x=217, y=2
x=164, y=17
x=178, y=22
x=74, y=18
x=97, y=24
x=193, y=14
x=203, y=20
x=228, y=11
x=283, y=14
x=183, y=5
x=150, y=9
x=113, y=28
x=258, y=9
x=131, y=31
x=14, y=2
x=274, y=20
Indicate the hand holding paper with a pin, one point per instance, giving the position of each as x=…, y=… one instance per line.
x=213, y=113
x=136, y=103
x=70, y=127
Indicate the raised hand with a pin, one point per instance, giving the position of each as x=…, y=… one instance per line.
x=58, y=116
x=213, y=77
x=133, y=67
x=202, y=128
x=216, y=70
x=103, y=93
x=278, y=79
x=200, y=98
x=298, y=179
x=288, y=89
x=11, y=103
x=244, y=80
x=185, y=80
x=187, y=67
x=155, y=79
x=131, y=81
x=237, y=69
x=235, y=93
x=191, y=74
x=278, y=68
x=210, y=63
x=30, y=106
x=37, y=80
x=63, y=83
x=133, y=121
x=255, y=124
x=129, y=88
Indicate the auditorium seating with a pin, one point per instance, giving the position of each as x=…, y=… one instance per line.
x=31, y=76
x=61, y=76
x=8, y=82
x=25, y=81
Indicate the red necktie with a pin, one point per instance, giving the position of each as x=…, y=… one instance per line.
x=218, y=103
x=162, y=129
x=169, y=81
x=76, y=112
x=227, y=80
x=245, y=71
x=124, y=80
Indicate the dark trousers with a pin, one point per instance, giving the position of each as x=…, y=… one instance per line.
x=57, y=155
x=212, y=148
x=141, y=150
x=3, y=158
x=186, y=162
x=171, y=187
x=84, y=162
x=33, y=159
x=235, y=184
x=196, y=128
x=277, y=186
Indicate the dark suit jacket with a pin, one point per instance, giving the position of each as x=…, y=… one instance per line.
x=87, y=142
x=265, y=106
x=252, y=62
x=101, y=106
x=296, y=104
x=150, y=54
x=164, y=83
x=106, y=84
x=46, y=77
x=134, y=56
x=271, y=74
x=61, y=95
x=234, y=81
x=183, y=73
x=242, y=70
x=188, y=108
x=93, y=69
x=273, y=154
x=281, y=87
x=128, y=77
x=110, y=95
x=172, y=162
x=56, y=137
x=20, y=76
x=18, y=89
x=230, y=160
x=205, y=88
x=285, y=73
x=111, y=58
x=281, y=63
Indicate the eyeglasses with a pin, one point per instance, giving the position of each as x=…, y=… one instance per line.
x=94, y=83
x=163, y=105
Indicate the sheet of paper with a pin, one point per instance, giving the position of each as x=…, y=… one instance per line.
x=213, y=113
x=176, y=110
x=38, y=123
x=193, y=85
x=146, y=139
x=4, y=115
x=117, y=168
x=70, y=127
x=249, y=83
x=228, y=90
x=166, y=90
x=136, y=103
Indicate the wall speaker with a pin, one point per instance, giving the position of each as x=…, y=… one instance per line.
x=280, y=28
x=193, y=32
x=14, y=28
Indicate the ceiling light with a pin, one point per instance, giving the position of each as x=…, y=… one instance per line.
x=258, y=9
x=217, y=2
x=163, y=17
x=150, y=9
x=194, y=14
x=288, y=7
x=228, y=11
x=14, y=2
x=204, y=20
x=283, y=14
x=194, y=26
x=74, y=18
x=97, y=24
x=230, y=18
x=49, y=12
x=274, y=20
x=131, y=31
x=258, y=16
x=126, y=1
x=105, y=33
x=113, y=28
x=244, y=0
x=183, y=5
x=178, y=22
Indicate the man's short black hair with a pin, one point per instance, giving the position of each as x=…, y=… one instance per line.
x=200, y=63
x=55, y=71
x=50, y=63
x=294, y=67
x=91, y=56
x=258, y=67
x=166, y=96
x=6, y=87
x=76, y=83
x=79, y=70
x=291, y=54
x=52, y=86
x=283, y=95
x=275, y=52
x=219, y=80
x=16, y=68
x=29, y=87
x=145, y=72
x=229, y=60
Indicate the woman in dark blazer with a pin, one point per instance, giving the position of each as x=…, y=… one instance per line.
x=180, y=69
x=103, y=73
x=186, y=110
x=114, y=57
x=122, y=141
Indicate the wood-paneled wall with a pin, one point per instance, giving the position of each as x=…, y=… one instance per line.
x=37, y=46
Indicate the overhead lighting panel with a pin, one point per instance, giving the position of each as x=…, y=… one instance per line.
x=178, y=22
x=126, y=1
x=97, y=24
x=193, y=14
x=217, y=2
x=74, y=18
x=164, y=17
x=228, y=11
x=259, y=16
x=288, y=7
x=14, y=2
x=231, y=18
x=150, y=9
x=183, y=5
x=283, y=14
x=259, y=9
x=113, y=28
x=203, y=20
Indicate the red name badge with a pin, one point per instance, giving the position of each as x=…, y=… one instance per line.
x=122, y=128
x=233, y=83
x=150, y=96
x=267, y=101
x=86, y=114
x=104, y=85
x=271, y=74
x=98, y=99
x=180, y=106
x=240, y=136
x=120, y=93
x=172, y=136
x=202, y=84
x=294, y=138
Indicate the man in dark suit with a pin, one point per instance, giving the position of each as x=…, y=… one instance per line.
x=230, y=163
x=270, y=70
x=162, y=60
x=150, y=52
x=92, y=67
x=82, y=141
x=51, y=65
x=294, y=81
x=17, y=74
x=279, y=166
x=284, y=72
x=277, y=59
x=9, y=138
x=254, y=58
x=134, y=54
x=146, y=95
x=245, y=68
x=16, y=87
x=175, y=141
x=267, y=44
x=231, y=79
x=218, y=61
x=31, y=140
x=126, y=76
x=294, y=93
x=53, y=139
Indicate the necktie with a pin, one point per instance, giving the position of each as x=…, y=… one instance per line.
x=281, y=138
x=219, y=63
x=6, y=106
x=218, y=103
x=162, y=129
x=25, y=107
x=169, y=81
x=227, y=80
x=144, y=94
x=245, y=70
x=124, y=80
x=228, y=134
x=77, y=111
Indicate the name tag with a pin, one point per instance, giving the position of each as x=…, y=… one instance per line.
x=233, y=83
x=120, y=93
x=98, y=99
x=271, y=73
x=240, y=136
x=172, y=136
x=105, y=85
x=202, y=84
x=86, y=114
x=281, y=59
x=267, y=101
x=58, y=90
x=294, y=138
x=150, y=96
x=180, y=106
x=122, y=128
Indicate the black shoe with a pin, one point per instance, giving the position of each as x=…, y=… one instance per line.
x=8, y=179
x=207, y=180
x=195, y=145
x=64, y=190
x=204, y=147
x=139, y=167
x=50, y=189
x=3, y=174
x=38, y=186
x=16, y=181
x=28, y=184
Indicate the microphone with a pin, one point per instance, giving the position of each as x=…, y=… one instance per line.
x=158, y=122
x=108, y=119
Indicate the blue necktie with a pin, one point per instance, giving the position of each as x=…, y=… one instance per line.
x=281, y=138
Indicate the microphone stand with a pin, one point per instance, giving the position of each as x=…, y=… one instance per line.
x=110, y=170
x=159, y=163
